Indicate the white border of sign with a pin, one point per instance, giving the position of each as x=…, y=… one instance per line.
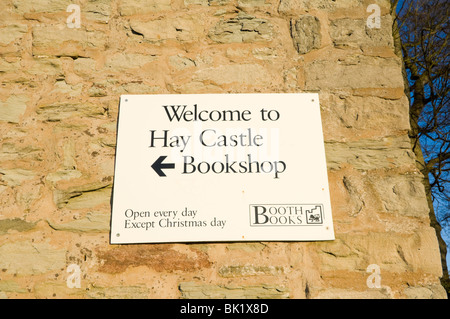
x=220, y=167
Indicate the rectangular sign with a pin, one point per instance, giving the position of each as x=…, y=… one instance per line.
x=220, y=167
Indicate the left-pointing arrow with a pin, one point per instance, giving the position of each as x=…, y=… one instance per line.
x=158, y=165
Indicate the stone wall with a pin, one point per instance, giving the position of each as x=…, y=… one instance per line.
x=59, y=102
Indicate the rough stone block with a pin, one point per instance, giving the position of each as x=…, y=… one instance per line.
x=242, y=28
x=352, y=117
x=353, y=72
x=12, y=109
x=16, y=176
x=392, y=252
x=48, y=6
x=121, y=62
x=355, y=33
x=84, y=196
x=305, y=32
x=95, y=222
x=249, y=74
x=12, y=33
x=191, y=290
x=132, y=7
x=185, y=30
x=64, y=110
x=250, y=270
x=389, y=152
x=26, y=258
x=16, y=224
x=62, y=41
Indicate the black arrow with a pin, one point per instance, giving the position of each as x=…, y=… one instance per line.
x=158, y=165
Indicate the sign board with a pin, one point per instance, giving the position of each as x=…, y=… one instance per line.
x=220, y=167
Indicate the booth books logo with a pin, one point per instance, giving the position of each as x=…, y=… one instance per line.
x=286, y=214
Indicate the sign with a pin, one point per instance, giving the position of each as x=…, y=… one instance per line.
x=220, y=167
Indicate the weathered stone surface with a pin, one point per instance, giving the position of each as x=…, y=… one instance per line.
x=121, y=62
x=63, y=41
x=13, y=108
x=180, y=62
x=352, y=117
x=15, y=224
x=355, y=33
x=49, y=6
x=426, y=292
x=97, y=10
x=338, y=293
x=12, y=33
x=192, y=290
x=132, y=7
x=119, y=292
x=185, y=30
x=251, y=74
x=305, y=32
x=84, y=196
x=16, y=176
x=64, y=110
x=253, y=3
x=250, y=270
x=11, y=286
x=388, y=152
x=295, y=6
x=392, y=252
x=353, y=72
x=26, y=258
x=242, y=28
x=162, y=258
x=95, y=222
x=402, y=195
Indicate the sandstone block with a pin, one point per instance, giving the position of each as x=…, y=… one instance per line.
x=121, y=62
x=352, y=117
x=294, y=6
x=416, y=252
x=250, y=270
x=97, y=10
x=249, y=74
x=404, y=194
x=191, y=290
x=11, y=286
x=64, y=110
x=355, y=33
x=118, y=292
x=132, y=7
x=12, y=33
x=186, y=30
x=84, y=196
x=26, y=258
x=305, y=32
x=426, y=292
x=63, y=41
x=16, y=176
x=253, y=3
x=12, y=151
x=13, y=108
x=180, y=62
x=353, y=72
x=94, y=222
x=339, y=293
x=15, y=224
x=243, y=28
x=162, y=258
x=388, y=152
x=49, y=6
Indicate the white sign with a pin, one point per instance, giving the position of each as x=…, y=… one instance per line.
x=220, y=167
